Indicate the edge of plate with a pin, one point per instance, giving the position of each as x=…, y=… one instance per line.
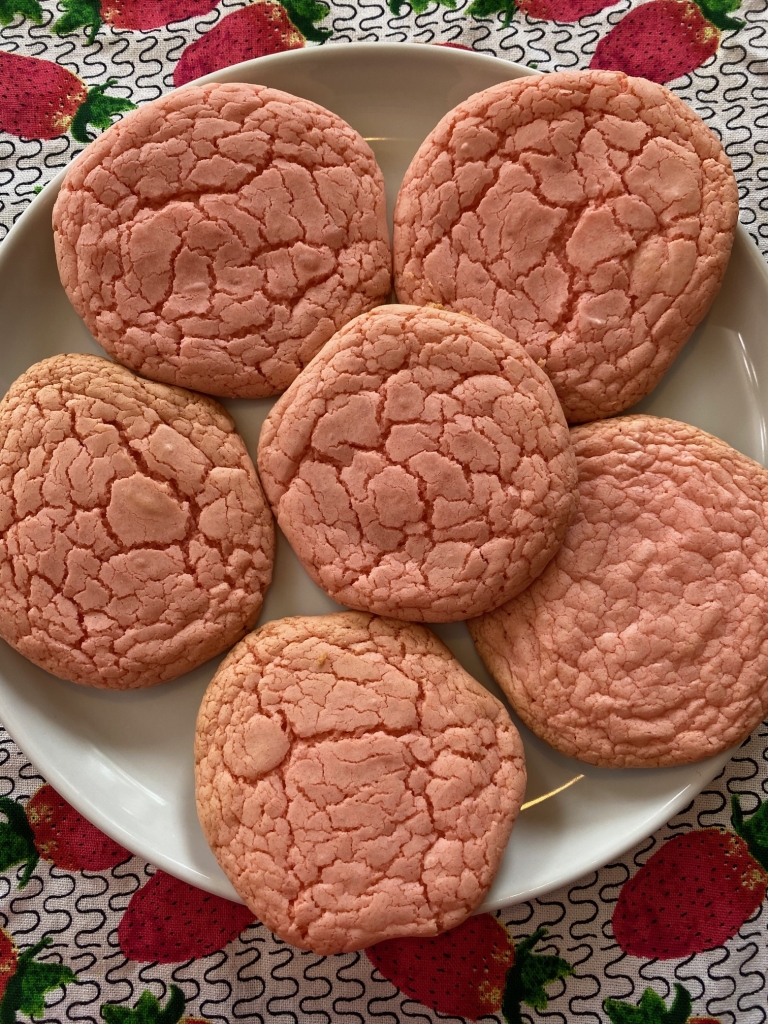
x=31, y=748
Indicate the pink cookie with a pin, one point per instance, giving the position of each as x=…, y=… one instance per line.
x=420, y=466
x=217, y=237
x=135, y=541
x=353, y=781
x=586, y=214
x=645, y=641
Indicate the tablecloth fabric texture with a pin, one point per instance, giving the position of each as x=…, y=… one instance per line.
x=91, y=933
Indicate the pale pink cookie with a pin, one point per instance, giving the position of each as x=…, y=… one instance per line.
x=217, y=237
x=645, y=641
x=420, y=466
x=135, y=541
x=586, y=214
x=353, y=781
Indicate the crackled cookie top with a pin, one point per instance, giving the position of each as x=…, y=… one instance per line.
x=353, y=781
x=421, y=466
x=217, y=237
x=586, y=214
x=135, y=541
x=645, y=641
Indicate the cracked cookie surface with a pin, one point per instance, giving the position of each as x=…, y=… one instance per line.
x=135, y=540
x=421, y=466
x=217, y=237
x=353, y=781
x=645, y=641
x=586, y=214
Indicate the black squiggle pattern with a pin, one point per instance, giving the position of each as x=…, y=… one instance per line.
x=257, y=977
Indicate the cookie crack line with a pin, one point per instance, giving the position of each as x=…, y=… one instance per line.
x=138, y=456
x=104, y=585
x=661, y=663
x=606, y=315
x=438, y=518
x=235, y=312
x=256, y=254
x=373, y=858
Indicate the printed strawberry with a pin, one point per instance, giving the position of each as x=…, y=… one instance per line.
x=562, y=10
x=472, y=971
x=64, y=836
x=652, y=1010
x=50, y=828
x=24, y=980
x=8, y=960
x=545, y=10
x=696, y=891
x=168, y=921
x=26, y=8
x=149, y=1010
x=42, y=100
x=664, y=39
x=255, y=31
x=135, y=15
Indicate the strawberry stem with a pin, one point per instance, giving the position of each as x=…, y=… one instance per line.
x=98, y=110
x=527, y=977
x=26, y=8
x=304, y=14
x=17, y=840
x=754, y=830
x=651, y=1009
x=79, y=14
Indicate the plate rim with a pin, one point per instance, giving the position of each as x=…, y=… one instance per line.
x=34, y=748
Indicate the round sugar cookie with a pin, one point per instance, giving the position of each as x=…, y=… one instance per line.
x=353, y=781
x=135, y=540
x=586, y=214
x=645, y=641
x=218, y=236
x=421, y=466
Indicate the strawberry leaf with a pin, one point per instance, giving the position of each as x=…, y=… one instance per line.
x=487, y=8
x=538, y=971
x=528, y=976
x=680, y=1010
x=79, y=14
x=651, y=1009
x=174, y=1008
x=147, y=1010
x=304, y=14
x=13, y=849
x=38, y=979
x=26, y=988
x=26, y=8
x=17, y=840
x=754, y=830
x=623, y=1013
x=418, y=6
x=652, y=1006
x=98, y=110
x=117, y=1014
x=717, y=11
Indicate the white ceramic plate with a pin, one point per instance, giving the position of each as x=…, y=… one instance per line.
x=125, y=759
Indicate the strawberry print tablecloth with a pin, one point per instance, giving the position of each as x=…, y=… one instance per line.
x=677, y=930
